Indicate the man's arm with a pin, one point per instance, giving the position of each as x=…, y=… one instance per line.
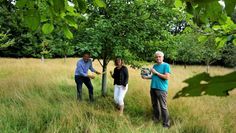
x=79, y=65
x=163, y=76
x=92, y=69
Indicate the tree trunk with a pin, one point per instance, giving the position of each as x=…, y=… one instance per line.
x=185, y=66
x=208, y=66
x=64, y=58
x=104, y=79
x=42, y=59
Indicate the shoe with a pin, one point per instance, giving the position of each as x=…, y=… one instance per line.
x=91, y=99
x=79, y=98
x=117, y=107
x=166, y=125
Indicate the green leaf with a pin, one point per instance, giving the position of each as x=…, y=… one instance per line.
x=32, y=19
x=99, y=3
x=71, y=22
x=223, y=19
x=214, y=10
x=221, y=41
x=145, y=16
x=216, y=27
x=178, y=3
x=139, y=2
x=70, y=9
x=21, y=3
x=202, y=38
x=230, y=6
x=217, y=39
x=81, y=5
x=68, y=33
x=234, y=42
x=47, y=28
x=59, y=6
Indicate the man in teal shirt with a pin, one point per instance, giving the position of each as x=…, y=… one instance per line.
x=159, y=88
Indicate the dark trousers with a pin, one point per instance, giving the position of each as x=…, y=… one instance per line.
x=79, y=82
x=159, y=105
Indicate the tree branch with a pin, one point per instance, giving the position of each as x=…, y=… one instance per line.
x=100, y=62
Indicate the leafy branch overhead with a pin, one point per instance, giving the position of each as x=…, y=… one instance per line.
x=45, y=15
x=213, y=17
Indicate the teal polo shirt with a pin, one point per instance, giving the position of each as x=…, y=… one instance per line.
x=157, y=82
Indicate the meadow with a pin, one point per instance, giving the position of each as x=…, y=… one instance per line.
x=41, y=97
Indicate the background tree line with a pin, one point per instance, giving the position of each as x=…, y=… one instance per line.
x=158, y=26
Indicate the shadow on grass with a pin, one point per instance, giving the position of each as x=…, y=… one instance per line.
x=202, y=84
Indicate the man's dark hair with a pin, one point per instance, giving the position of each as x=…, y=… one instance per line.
x=88, y=53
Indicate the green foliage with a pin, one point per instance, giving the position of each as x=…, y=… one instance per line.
x=230, y=6
x=47, y=28
x=229, y=55
x=211, y=14
x=67, y=33
x=38, y=13
x=188, y=48
x=124, y=29
x=99, y=3
x=5, y=41
x=45, y=49
x=24, y=40
x=211, y=51
x=62, y=48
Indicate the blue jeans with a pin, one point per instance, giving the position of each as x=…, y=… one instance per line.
x=79, y=82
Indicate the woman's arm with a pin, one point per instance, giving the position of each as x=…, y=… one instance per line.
x=126, y=76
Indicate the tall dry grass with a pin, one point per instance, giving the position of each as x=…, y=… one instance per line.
x=41, y=97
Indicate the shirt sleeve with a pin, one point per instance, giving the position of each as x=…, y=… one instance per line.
x=80, y=69
x=91, y=66
x=167, y=69
x=126, y=76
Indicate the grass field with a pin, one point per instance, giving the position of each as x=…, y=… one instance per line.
x=41, y=97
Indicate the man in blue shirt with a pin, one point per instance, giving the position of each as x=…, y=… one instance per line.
x=82, y=76
x=159, y=88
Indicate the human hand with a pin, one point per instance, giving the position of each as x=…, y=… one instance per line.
x=154, y=71
x=98, y=73
x=91, y=76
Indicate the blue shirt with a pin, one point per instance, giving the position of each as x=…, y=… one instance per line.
x=82, y=67
x=157, y=82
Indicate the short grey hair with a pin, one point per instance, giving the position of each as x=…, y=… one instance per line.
x=160, y=53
